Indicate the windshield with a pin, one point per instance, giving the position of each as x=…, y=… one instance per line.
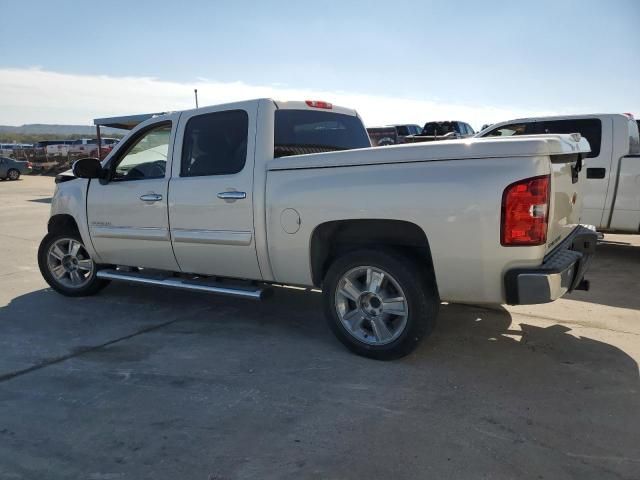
x=298, y=132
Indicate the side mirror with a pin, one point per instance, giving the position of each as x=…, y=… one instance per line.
x=88, y=168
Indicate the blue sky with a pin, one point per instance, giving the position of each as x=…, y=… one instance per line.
x=501, y=57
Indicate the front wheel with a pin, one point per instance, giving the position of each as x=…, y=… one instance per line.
x=380, y=303
x=67, y=266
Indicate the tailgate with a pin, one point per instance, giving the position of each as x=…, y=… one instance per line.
x=567, y=181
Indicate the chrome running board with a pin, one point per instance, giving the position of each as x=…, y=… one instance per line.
x=197, y=284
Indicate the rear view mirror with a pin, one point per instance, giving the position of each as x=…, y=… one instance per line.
x=87, y=168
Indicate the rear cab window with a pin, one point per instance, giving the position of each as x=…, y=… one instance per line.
x=298, y=132
x=589, y=128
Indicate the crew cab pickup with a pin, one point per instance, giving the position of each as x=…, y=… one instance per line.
x=237, y=198
x=445, y=130
x=392, y=134
x=611, y=199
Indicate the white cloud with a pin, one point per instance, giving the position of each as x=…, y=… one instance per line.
x=39, y=96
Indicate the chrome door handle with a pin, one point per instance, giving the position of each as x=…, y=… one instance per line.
x=151, y=197
x=232, y=195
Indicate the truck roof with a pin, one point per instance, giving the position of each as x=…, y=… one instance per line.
x=129, y=122
x=564, y=117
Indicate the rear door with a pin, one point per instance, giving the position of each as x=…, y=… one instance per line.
x=211, y=192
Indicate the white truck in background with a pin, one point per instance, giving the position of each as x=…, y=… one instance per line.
x=611, y=198
x=232, y=198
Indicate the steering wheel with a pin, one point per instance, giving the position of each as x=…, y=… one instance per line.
x=151, y=169
x=158, y=168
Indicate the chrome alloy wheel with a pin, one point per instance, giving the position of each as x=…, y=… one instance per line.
x=14, y=174
x=69, y=263
x=371, y=305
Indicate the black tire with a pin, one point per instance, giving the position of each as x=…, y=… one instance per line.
x=17, y=174
x=419, y=290
x=93, y=285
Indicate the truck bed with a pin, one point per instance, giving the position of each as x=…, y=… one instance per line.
x=451, y=150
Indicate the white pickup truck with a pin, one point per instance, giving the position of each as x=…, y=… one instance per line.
x=234, y=198
x=611, y=198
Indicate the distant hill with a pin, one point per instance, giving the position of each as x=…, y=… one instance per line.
x=40, y=131
x=62, y=130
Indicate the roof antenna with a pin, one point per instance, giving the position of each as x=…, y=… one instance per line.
x=195, y=90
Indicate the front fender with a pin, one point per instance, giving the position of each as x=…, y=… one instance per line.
x=70, y=198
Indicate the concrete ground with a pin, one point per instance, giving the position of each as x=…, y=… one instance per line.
x=139, y=382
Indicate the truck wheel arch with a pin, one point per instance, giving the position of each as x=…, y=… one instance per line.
x=329, y=240
x=62, y=223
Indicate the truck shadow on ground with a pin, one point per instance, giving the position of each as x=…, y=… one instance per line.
x=268, y=372
x=289, y=319
x=615, y=277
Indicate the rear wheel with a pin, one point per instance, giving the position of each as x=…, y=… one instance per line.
x=380, y=304
x=13, y=174
x=67, y=266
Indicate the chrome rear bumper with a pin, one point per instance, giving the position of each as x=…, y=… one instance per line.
x=561, y=271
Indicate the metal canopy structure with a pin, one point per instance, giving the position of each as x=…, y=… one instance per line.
x=125, y=122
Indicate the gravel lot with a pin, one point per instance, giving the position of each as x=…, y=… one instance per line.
x=139, y=382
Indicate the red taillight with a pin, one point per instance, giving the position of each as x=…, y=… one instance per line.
x=318, y=104
x=29, y=165
x=525, y=210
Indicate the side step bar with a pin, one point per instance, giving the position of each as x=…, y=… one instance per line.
x=199, y=284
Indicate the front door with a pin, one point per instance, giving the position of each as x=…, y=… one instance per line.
x=127, y=215
x=211, y=192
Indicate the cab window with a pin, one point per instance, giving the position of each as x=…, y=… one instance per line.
x=146, y=156
x=589, y=128
x=511, y=129
x=215, y=144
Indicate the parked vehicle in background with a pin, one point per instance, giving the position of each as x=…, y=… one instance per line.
x=6, y=149
x=88, y=147
x=232, y=198
x=83, y=146
x=107, y=145
x=110, y=142
x=43, y=156
x=11, y=169
x=10, y=149
x=391, y=134
x=612, y=190
x=382, y=136
x=60, y=149
x=445, y=130
x=405, y=130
